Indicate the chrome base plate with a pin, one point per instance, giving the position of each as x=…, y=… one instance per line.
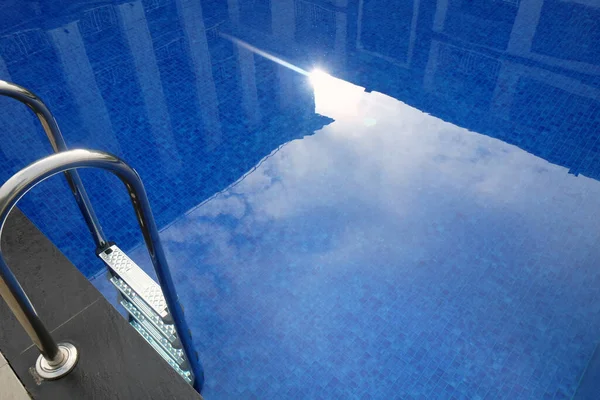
x=49, y=372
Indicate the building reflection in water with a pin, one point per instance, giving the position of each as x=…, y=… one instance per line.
x=159, y=81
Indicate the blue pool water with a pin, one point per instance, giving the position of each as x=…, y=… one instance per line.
x=417, y=220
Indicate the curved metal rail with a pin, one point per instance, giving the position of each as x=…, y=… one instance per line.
x=58, y=144
x=11, y=290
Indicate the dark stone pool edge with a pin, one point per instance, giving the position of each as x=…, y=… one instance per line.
x=115, y=362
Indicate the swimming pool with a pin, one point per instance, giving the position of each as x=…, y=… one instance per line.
x=406, y=212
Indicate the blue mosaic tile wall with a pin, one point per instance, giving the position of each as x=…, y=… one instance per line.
x=180, y=163
x=486, y=312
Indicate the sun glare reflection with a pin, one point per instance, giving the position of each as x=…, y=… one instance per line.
x=334, y=97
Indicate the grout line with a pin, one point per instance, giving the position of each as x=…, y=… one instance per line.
x=67, y=321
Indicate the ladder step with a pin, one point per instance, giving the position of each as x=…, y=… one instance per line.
x=152, y=322
x=147, y=308
x=132, y=297
x=187, y=375
x=135, y=278
x=175, y=354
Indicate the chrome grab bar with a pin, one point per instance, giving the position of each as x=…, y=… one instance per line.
x=58, y=144
x=54, y=356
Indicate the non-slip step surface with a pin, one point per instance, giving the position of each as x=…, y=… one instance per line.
x=161, y=351
x=165, y=330
x=128, y=293
x=135, y=278
x=173, y=354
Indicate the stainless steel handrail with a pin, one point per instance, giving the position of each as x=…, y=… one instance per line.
x=10, y=289
x=58, y=144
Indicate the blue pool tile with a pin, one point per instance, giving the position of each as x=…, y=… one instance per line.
x=422, y=227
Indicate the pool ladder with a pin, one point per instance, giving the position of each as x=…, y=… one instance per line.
x=153, y=310
x=147, y=308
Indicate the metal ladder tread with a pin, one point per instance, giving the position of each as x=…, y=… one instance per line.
x=140, y=282
x=133, y=297
x=175, y=354
x=165, y=330
x=187, y=375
